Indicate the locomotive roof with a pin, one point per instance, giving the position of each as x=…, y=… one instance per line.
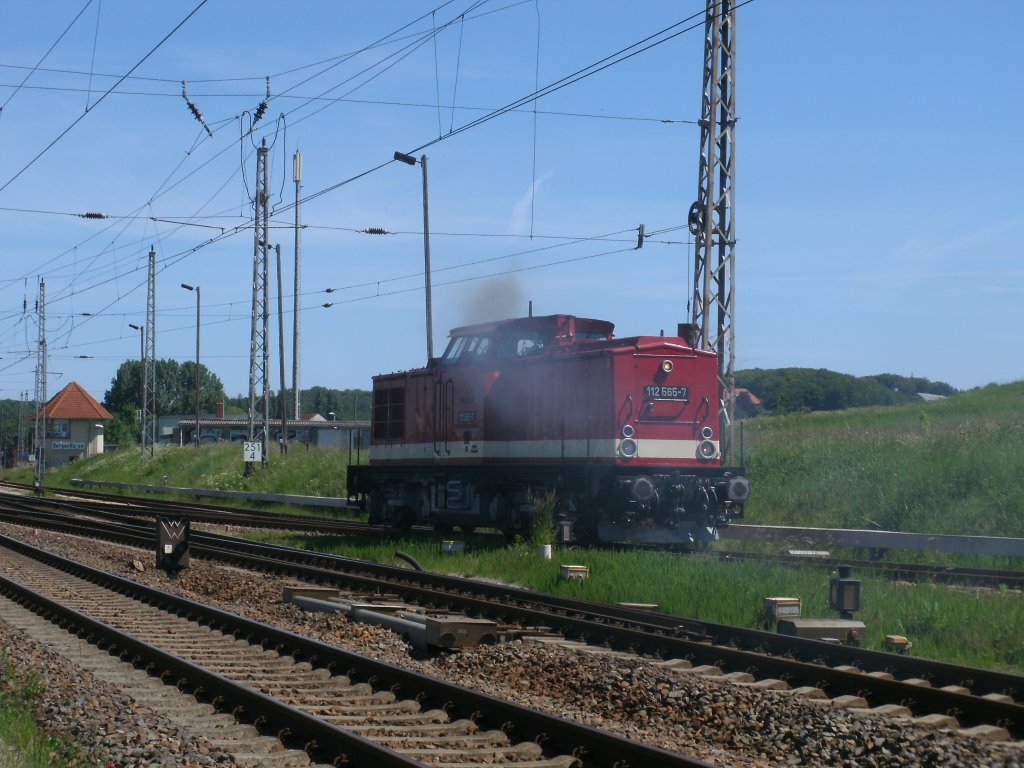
x=547, y=322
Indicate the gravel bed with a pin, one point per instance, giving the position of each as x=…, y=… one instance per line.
x=722, y=723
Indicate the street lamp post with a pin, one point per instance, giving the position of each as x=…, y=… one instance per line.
x=142, y=392
x=410, y=160
x=195, y=288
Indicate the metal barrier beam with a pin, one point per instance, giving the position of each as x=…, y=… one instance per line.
x=829, y=537
x=282, y=498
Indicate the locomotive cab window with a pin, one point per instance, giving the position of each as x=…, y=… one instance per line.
x=520, y=344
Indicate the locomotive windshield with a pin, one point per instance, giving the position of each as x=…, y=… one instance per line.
x=520, y=337
x=466, y=349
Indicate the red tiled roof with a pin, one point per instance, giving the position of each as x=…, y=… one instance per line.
x=73, y=402
x=754, y=399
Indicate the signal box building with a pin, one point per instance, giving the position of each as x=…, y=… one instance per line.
x=74, y=426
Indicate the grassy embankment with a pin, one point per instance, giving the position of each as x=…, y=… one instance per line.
x=952, y=466
x=946, y=467
x=219, y=466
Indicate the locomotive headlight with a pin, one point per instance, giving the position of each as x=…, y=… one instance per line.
x=627, y=447
x=667, y=366
x=627, y=430
x=706, y=450
x=706, y=433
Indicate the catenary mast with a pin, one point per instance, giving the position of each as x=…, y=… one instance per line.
x=149, y=416
x=711, y=218
x=259, y=404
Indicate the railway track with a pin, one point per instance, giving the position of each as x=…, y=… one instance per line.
x=341, y=708
x=951, y=695
x=120, y=507
x=123, y=507
x=916, y=572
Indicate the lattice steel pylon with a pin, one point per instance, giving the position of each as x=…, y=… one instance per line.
x=149, y=424
x=711, y=217
x=297, y=291
x=259, y=403
x=21, y=429
x=40, y=431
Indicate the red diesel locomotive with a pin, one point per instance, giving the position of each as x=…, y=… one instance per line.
x=622, y=432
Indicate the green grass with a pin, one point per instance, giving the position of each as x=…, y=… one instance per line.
x=23, y=744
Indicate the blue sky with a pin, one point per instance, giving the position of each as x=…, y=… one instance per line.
x=880, y=179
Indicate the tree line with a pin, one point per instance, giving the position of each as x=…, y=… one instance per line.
x=788, y=390
x=176, y=396
x=345, y=404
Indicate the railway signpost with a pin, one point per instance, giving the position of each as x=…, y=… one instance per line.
x=172, y=543
x=252, y=451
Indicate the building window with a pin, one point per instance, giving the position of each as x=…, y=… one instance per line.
x=389, y=414
x=58, y=428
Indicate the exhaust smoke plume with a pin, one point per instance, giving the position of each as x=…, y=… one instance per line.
x=497, y=299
